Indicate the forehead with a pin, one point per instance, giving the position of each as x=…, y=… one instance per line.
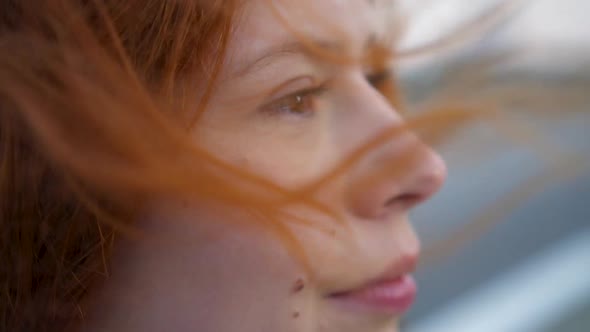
x=264, y=23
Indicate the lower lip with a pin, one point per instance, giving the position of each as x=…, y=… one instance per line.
x=389, y=297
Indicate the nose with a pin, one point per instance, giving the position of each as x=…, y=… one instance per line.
x=402, y=174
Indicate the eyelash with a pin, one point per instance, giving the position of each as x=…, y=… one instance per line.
x=302, y=103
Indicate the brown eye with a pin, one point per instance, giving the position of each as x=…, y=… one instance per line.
x=297, y=104
x=300, y=103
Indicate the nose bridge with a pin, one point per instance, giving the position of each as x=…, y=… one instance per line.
x=399, y=172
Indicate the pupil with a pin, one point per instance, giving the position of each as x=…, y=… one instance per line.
x=297, y=107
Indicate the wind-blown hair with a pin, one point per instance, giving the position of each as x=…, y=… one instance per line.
x=89, y=125
x=96, y=98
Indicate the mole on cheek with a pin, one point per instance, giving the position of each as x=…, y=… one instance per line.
x=296, y=314
x=298, y=285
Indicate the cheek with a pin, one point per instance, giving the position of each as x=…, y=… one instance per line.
x=287, y=157
x=207, y=272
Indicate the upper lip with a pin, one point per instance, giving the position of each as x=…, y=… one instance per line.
x=401, y=266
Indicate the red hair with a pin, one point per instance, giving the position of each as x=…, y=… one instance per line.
x=93, y=117
x=84, y=85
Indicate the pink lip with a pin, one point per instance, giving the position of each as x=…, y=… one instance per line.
x=394, y=296
x=393, y=292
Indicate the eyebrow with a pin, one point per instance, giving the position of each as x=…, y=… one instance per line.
x=292, y=47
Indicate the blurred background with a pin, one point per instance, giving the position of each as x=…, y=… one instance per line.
x=529, y=269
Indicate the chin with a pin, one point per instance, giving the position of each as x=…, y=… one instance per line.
x=337, y=321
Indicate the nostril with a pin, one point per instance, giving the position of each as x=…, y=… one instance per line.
x=390, y=192
x=404, y=201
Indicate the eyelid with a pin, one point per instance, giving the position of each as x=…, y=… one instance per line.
x=271, y=106
x=293, y=85
x=301, y=85
x=303, y=92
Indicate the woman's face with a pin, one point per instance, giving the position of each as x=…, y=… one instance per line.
x=284, y=113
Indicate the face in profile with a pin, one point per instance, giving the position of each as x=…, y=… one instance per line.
x=285, y=112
